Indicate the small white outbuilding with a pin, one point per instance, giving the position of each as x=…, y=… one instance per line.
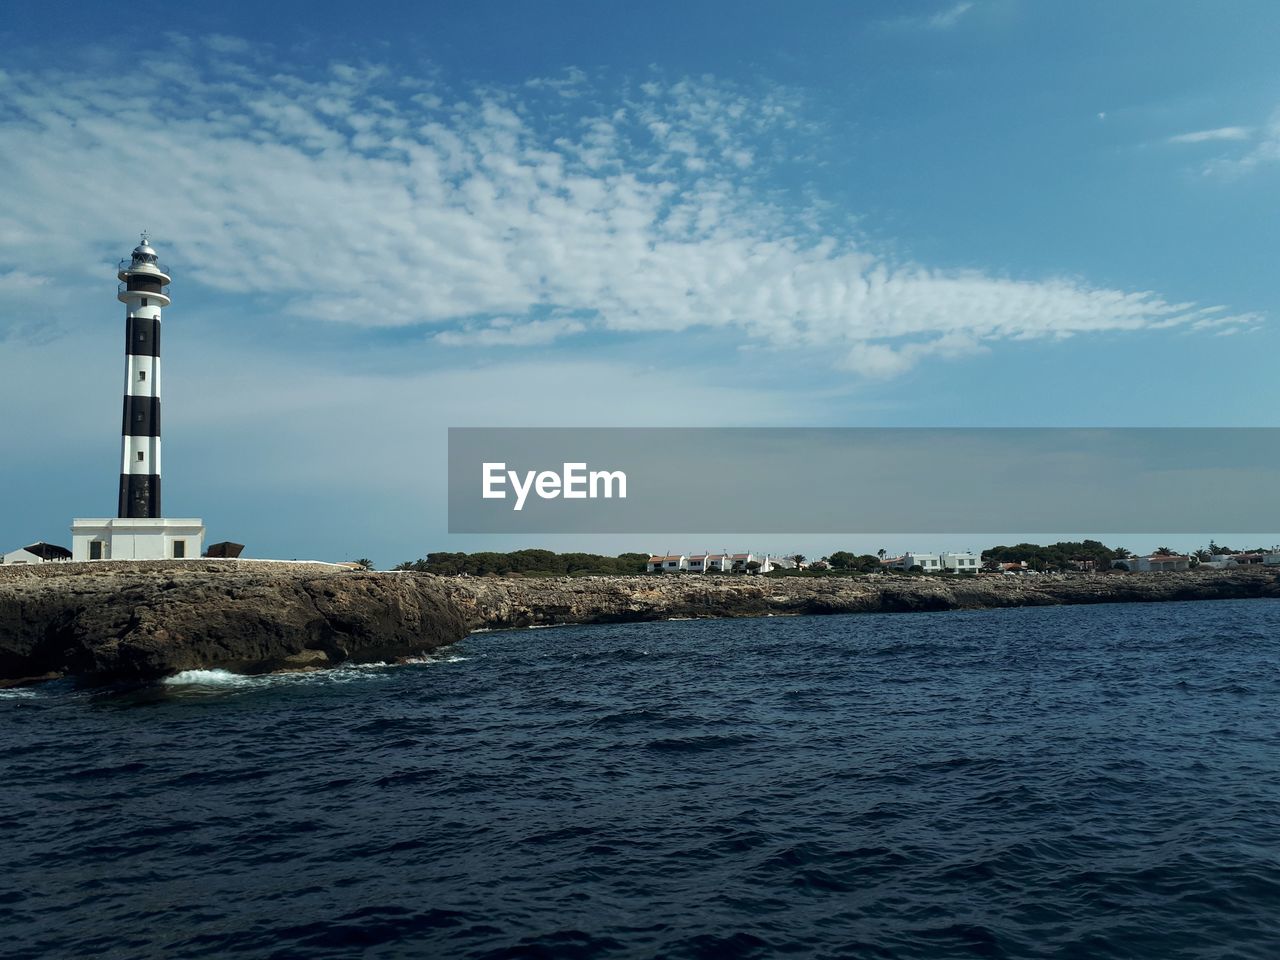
x=36, y=553
x=136, y=538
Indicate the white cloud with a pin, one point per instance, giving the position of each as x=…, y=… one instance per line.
x=1219, y=133
x=362, y=198
x=572, y=84
x=504, y=332
x=1264, y=150
x=943, y=19
x=948, y=18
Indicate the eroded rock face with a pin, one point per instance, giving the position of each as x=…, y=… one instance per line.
x=140, y=621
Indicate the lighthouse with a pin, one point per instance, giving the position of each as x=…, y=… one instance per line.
x=139, y=531
x=144, y=290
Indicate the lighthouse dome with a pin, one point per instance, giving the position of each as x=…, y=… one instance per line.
x=143, y=262
x=144, y=252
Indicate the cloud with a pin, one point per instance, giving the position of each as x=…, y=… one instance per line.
x=1220, y=133
x=943, y=19
x=505, y=332
x=946, y=19
x=1264, y=150
x=572, y=84
x=361, y=198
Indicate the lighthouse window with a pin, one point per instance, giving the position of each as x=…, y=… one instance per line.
x=144, y=301
x=142, y=374
x=140, y=454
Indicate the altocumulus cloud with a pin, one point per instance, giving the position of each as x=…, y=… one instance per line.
x=501, y=217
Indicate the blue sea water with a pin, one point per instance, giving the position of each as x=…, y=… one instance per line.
x=1063, y=782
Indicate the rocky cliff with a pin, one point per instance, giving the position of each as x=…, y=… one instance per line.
x=140, y=621
x=122, y=620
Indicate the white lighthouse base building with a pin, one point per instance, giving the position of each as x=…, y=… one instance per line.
x=136, y=538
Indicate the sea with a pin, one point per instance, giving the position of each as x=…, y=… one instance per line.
x=1089, y=781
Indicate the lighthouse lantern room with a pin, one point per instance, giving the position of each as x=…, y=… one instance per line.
x=139, y=531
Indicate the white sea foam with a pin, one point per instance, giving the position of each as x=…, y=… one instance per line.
x=209, y=678
x=18, y=693
x=434, y=658
x=219, y=680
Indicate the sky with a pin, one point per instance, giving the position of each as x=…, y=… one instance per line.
x=975, y=213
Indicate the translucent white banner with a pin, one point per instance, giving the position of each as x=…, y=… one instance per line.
x=863, y=480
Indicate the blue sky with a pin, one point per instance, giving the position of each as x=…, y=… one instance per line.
x=380, y=225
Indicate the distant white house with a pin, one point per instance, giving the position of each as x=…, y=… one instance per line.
x=928, y=562
x=1156, y=563
x=956, y=562
x=1219, y=561
x=1009, y=567
x=709, y=562
x=964, y=562
x=668, y=564
x=1250, y=559
x=37, y=553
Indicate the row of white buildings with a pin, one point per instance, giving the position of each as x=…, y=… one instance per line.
x=716, y=563
x=1158, y=562
x=964, y=562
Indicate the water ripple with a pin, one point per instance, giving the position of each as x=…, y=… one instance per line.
x=1060, y=782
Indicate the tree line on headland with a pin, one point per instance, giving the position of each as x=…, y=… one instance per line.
x=1064, y=555
x=530, y=563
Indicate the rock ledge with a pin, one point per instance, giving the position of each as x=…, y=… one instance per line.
x=125, y=620
x=139, y=621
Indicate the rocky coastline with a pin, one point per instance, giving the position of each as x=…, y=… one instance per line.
x=140, y=621
x=497, y=603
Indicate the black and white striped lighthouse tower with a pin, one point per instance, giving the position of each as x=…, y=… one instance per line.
x=139, y=531
x=144, y=290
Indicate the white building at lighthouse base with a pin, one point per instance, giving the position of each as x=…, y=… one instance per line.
x=136, y=538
